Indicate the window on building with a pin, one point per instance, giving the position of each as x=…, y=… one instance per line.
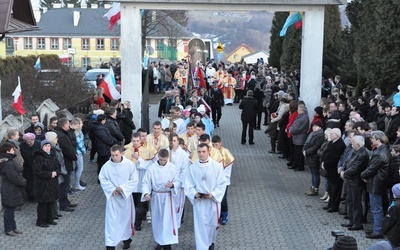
x=41, y=43
x=85, y=44
x=54, y=43
x=9, y=43
x=67, y=43
x=160, y=44
x=85, y=61
x=114, y=44
x=100, y=44
x=172, y=43
x=28, y=42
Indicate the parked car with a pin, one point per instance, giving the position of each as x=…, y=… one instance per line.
x=91, y=76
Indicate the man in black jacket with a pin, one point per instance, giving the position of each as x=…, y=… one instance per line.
x=358, y=163
x=217, y=101
x=376, y=177
x=249, y=107
x=69, y=153
x=103, y=140
x=393, y=124
x=126, y=121
x=113, y=126
x=391, y=222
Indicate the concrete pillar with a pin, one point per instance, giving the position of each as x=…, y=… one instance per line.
x=131, y=59
x=311, y=57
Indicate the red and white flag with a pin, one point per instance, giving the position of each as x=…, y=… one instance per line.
x=18, y=99
x=109, y=86
x=114, y=15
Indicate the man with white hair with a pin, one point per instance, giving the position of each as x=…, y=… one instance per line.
x=358, y=163
x=330, y=161
x=376, y=176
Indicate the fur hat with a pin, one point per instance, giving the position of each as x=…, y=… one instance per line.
x=345, y=243
x=39, y=124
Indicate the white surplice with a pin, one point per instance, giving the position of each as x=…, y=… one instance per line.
x=120, y=209
x=141, y=167
x=206, y=178
x=180, y=158
x=163, y=215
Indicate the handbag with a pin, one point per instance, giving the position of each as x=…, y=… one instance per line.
x=272, y=129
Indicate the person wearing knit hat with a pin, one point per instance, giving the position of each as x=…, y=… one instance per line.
x=319, y=111
x=391, y=222
x=45, y=163
x=345, y=243
x=381, y=245
x=39, y=131
x=51, y=136
x=317, y=123
x=29, y=136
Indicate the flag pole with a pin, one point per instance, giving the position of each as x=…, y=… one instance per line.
x=22, y=116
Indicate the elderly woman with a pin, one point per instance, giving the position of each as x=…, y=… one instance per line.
x=47, y=169
x=298, y=130
x=11, y=187
x=28, y=148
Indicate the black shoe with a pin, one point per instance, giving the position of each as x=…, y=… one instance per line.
x=345, y=217
x=167, y=247
x=56, y=218
x=272, y=152
x=158, y=247
x=325, y=208
x=52, y=223
x=218, y=124
x=347, y=225
x=374, y=236
x=82, y=183
x=72, y=205
x=59, y=215
x=67, y=209
x=127, y=243
x=331, y=210
x=42, y=225
x=283, y=157
x=342, y=213
x=251, y=143
x=290, y=167
x=289, y=164
x=110, y=248
x=243, y=143
x=356, y=228
x=369, y=231
x=298, y=169
x=138, y=228
x=211, y=247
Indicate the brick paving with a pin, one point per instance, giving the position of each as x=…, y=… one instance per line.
x=267, y=207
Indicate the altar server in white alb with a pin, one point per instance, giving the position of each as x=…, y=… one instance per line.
x=118, y=178
x=180, y=158
x=160, y=184
x=205, y=186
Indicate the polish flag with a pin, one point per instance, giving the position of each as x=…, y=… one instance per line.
x=18, y=99
x=114, y=15
x=64, y=58
x=108, y=84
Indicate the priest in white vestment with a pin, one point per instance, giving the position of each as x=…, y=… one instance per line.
x=160, y=184
x=205, y=186
x=118, y=178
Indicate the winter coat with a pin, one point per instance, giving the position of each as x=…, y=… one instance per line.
x=12, y=186
x=377, y=172
x=47, y=188
x=299, y=129
x=331, y=158
x=18, y=157
x=115, y=131
x=28, y=153
x=67, y=147
x=392, y=129
x=127, y=124
x=391, y=224
x=357, y=163
x=249, y=107
x=311, y=146
x=102, y=139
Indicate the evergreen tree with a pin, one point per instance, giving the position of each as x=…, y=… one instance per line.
x=347, y=68
x=275, y=47
x=291, y=47
x=332, y=42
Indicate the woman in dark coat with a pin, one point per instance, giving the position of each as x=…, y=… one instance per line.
x=11, y=187
x=47, y=169
x=28, y=148
x=310, y=150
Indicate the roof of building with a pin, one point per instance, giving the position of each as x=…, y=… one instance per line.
x=60, y=22
x=16, y=16
x=240, y=46
x=256, y=52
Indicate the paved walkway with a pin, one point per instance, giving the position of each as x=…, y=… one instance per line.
x=267, y=207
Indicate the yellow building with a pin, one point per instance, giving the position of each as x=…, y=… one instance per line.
x=237, y=54
x=81, y=36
